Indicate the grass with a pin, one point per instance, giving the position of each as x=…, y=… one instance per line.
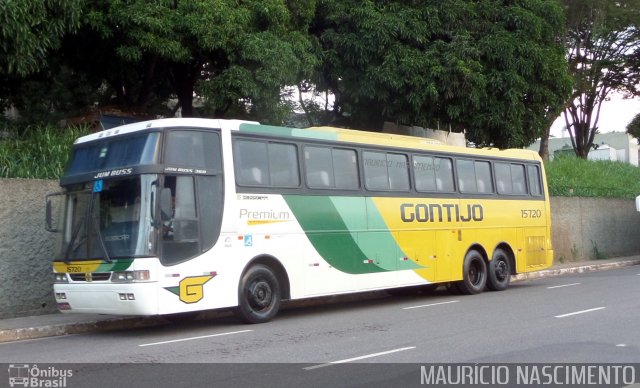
x=571, y=176
x=37, y=152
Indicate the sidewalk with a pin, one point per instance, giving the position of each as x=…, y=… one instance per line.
x=50, y=325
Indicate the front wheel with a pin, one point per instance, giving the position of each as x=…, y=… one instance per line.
x=258, y=295
x=474, y=276
x=499, y=271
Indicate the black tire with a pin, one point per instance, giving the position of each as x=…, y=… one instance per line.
x=474, y=274
x=258, y=295
x=499, y=271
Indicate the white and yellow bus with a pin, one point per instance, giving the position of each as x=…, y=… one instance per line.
x=182, y=215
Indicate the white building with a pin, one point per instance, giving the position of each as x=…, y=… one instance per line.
x=610, y=146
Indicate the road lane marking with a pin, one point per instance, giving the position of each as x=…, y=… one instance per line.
x=195, y=338
x=563, y=285
x=429, y=305
x=579, y=312
x=359, y=358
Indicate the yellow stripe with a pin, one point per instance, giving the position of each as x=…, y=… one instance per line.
x=262, y=222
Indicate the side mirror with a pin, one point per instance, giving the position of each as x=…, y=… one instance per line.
x=166, y=207
x=53, y=210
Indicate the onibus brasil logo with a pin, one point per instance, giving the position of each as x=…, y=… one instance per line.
x=24, y=375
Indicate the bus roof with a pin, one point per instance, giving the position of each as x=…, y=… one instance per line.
x=320, y=133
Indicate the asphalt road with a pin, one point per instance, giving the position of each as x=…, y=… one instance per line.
x=381, y=341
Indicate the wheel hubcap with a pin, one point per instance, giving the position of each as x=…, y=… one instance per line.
x=260, y=294
x=501, y=270
x=474, y=274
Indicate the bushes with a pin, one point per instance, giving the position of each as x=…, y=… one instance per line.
x=37, y=152
x=571, y=176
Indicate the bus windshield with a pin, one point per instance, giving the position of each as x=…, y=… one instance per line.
x=110, y=153
x=112, y=222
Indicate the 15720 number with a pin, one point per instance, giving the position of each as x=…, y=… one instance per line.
x=531, y=213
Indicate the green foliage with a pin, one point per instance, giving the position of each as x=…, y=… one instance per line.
x=633, y=128
x=491, y=69
x=29, y=29
x=571, y=176
x=236, y=55
x=38, y=152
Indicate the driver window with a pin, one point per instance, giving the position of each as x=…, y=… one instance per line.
x=180, y=232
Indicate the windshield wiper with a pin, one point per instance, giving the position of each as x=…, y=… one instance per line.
x=73, y=246
x=96, y=226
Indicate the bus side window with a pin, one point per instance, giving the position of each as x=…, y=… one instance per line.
x=398, y=172
x=318, y=167
x=518, y=179
x=283, y=165
x=444, y=174
x=251, y=162
x=535, y=185
x=346, y=173
x=503, y=178
x=425, y=173
x=466, y=176
x=483, y=177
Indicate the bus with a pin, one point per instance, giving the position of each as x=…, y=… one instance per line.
x=183, y=215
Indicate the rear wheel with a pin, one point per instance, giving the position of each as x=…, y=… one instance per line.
x=258, y=295
x=499, y=271
x=474, y=274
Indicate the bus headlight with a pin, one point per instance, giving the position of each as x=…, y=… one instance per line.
x=60, y=278
x=130, y=276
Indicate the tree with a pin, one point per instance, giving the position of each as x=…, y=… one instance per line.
x=633, y=128
x=234, y=54
x=490, y=68
x=603, y=41
x=526, y=71
x=29, y=29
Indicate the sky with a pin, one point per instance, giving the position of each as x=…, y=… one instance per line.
x=615, y=115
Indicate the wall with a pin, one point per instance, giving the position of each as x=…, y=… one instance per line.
x=581, y=226
x=444, y=137
x=585, y=228
x=25, y=248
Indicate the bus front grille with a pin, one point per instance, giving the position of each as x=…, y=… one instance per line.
x=90, y=276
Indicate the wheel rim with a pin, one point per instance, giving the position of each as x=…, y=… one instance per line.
x=475, y=273
x=501, y=270
x=259, y=294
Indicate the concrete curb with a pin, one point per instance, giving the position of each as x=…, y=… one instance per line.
x=115, y=323
x=574, y=270
x=52, y=330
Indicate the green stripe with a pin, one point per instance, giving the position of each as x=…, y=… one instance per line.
x=115, y=265
x=347, y=232
x=288, y=132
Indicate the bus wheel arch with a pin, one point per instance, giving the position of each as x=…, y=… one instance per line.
x=262, y=286
x=474, y=271
x=500, y=268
